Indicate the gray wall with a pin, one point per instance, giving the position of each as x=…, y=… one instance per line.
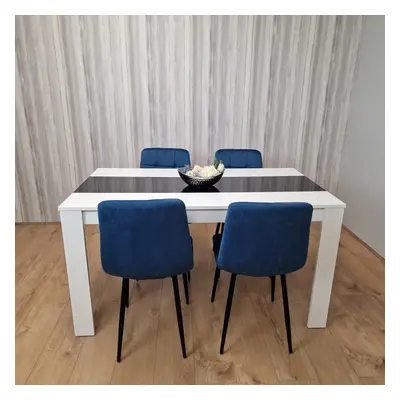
x=92, y=91
x=362, y=172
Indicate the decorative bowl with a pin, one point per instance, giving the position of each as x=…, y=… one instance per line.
x=198, y=181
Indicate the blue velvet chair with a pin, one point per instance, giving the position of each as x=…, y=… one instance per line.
x=164, y=157
x=157, y=157
x=262, y=239
x=145, y=239
x=238, y=158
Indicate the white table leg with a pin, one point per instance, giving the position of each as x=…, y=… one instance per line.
x=325, y=268
x=78, y=274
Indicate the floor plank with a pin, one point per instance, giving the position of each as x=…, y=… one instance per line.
x=354, y=335
x=32, y=247
x=300, y=382
x=349, y=351
x=57, y=361
x=297, y=366
x=32, y=335
x=59, y=356
x=35, y=284
x=377, y=380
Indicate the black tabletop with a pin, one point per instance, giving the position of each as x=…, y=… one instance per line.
x=117, y=184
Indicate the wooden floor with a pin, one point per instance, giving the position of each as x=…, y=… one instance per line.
x=350, y=351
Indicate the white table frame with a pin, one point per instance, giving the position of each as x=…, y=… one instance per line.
x=81, y=208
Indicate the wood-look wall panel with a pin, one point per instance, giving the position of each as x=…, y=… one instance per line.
x=322, y=51
x=76, y=71
x=92, y=91
x=342, y=69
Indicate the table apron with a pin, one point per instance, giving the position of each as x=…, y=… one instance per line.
x=200, y=216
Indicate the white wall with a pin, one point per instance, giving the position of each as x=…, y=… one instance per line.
x=362, y=172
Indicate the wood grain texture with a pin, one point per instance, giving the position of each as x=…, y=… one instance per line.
x=93, y=91
x=351, y=350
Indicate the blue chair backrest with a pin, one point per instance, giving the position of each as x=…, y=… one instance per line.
x=144, y=239
x=157, y=157
x=265, y=239
x=239, y=158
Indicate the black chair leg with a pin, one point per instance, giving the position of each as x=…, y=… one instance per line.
x=227, y=311
x=272, y=288
x=124, y=295
x=216, y=279
x=287, y=314
x=127, y=296
x=219, y=225
x=179, y=314
x=189, y=276
x=185, y=286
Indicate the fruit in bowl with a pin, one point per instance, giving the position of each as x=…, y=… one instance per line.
x=202, y=176
x=207, y=171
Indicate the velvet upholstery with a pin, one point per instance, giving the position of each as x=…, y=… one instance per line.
x=239, y=158
x=157, y=157
x=144, y=239
x=264, y=239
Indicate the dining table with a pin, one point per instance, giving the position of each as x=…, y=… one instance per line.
x=206, y=205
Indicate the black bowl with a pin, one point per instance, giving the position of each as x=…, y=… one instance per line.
x=199, y=182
